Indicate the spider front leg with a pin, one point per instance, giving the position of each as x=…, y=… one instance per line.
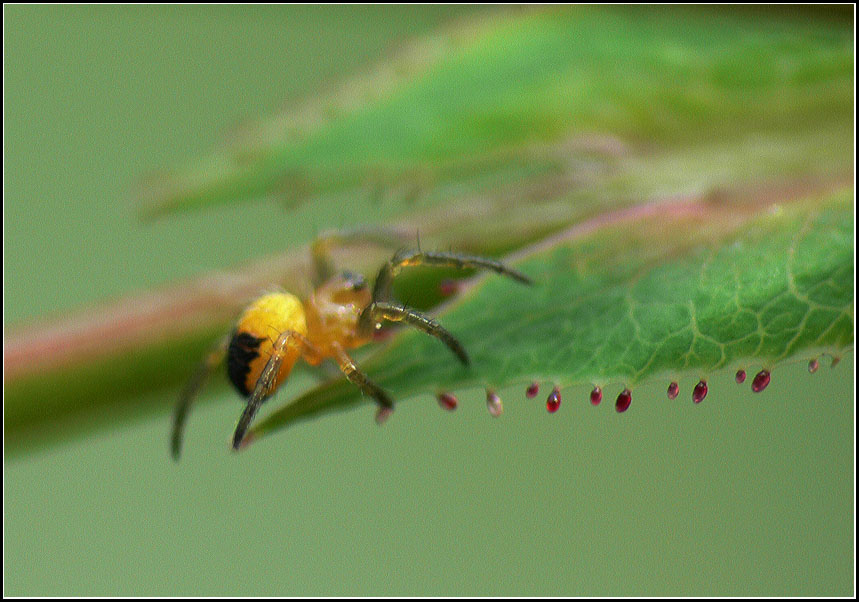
x=382, y=287
x=378, y=311
x=267, y=381
x=180, y=415
x=359, y=379
x=320, y=249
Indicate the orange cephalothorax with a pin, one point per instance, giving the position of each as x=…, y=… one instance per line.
x=332, y=315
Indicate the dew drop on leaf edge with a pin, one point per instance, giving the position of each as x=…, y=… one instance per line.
x=493, y=403
x=553, y=402
x=761, y=380
x=623, y=401
x=673, y=390
x=447, y=401
x=700, y=391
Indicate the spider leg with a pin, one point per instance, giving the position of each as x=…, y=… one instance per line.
x=404, y=258
x=320, y=248
x=198, y=379
x=266, y=381
x=393, y=312
x=359, y=379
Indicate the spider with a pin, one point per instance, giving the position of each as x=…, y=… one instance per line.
x=342, y=313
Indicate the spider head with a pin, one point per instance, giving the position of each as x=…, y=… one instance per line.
x=333, y=311
x=351, y=280
x=345, y=288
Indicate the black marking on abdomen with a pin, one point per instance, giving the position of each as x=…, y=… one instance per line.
x=243, y=350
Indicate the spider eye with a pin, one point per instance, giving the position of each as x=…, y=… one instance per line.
x=355, y=281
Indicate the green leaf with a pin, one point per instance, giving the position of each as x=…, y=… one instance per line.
x=674, y=291
x=499, y=99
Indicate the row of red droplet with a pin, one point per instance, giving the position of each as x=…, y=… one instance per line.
x=624, y=399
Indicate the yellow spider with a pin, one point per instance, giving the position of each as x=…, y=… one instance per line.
x=342, y=313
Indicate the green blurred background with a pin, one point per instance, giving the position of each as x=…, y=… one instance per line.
x=744, y=494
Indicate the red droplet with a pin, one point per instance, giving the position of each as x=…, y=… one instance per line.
x=673, y=390
x=835, y=361
x=740, y=377
x=448, y=287
x=623, y=401
x=762, y=379
x=813, y=365
x=493, y=403
x=447, y=401
x=553, y=402
x=596, y=396
x=700, y=392
x=532, y=391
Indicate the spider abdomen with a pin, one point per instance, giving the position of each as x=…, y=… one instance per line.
x=257, y=329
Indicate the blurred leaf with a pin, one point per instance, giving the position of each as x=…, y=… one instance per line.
x=499, y=99
x=673, y=291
